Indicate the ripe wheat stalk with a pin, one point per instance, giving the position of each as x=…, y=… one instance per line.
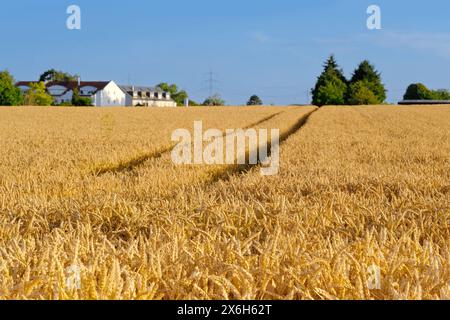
x=358, y=187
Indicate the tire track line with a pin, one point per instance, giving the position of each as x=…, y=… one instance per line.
x=131, y=164
x=232, y=170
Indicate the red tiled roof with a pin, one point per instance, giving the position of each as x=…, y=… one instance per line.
x=99, y=85
x=69, y=85
x=24, y=83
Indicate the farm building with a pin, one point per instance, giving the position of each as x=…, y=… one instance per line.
x=147, y=97
x=105, y=93
x=423, y=102
x=102, y=93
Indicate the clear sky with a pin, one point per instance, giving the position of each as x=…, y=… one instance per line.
x=271, y=48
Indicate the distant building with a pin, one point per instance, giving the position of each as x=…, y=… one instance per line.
x=423, y=102
x=105, y=93
x=101, y=93
x=147, y=97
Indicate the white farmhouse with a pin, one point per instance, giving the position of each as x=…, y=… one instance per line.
x=105, y=93
x=147, y=97
x=101, y=93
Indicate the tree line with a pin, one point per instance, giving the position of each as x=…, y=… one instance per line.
x=418, y=91
x=333, y=88
x=365, y=87
x=37, y=95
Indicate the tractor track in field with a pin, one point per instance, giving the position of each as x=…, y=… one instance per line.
x=131, y=164
x=233, y=170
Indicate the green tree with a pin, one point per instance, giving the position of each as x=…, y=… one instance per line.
x=441, y=94
x=80, y=101
x=331, y=85
x=193, y=103
x=331, y=92
x=214, y=100
x=58, y=76
x=171, y=88
x=178, y=96
x=361, y=93
x=418, y=91
x=254, y=101
x=364, y=79
x=37, y=95
x=10, y=95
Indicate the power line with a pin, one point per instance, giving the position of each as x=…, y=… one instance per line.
x=211, y=81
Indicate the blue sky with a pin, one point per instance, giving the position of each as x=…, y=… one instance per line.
x=271, y=48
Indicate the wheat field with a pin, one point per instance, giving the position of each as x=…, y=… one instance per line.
x=92, y=207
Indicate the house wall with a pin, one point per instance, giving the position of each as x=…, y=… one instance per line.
x=111, y=96
x=128, y=100
x=24, y=89
x=87, y=90
x=57, y=93
x=162, y=103
x=150, y=103
x=56, y=90
x=67, y=97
